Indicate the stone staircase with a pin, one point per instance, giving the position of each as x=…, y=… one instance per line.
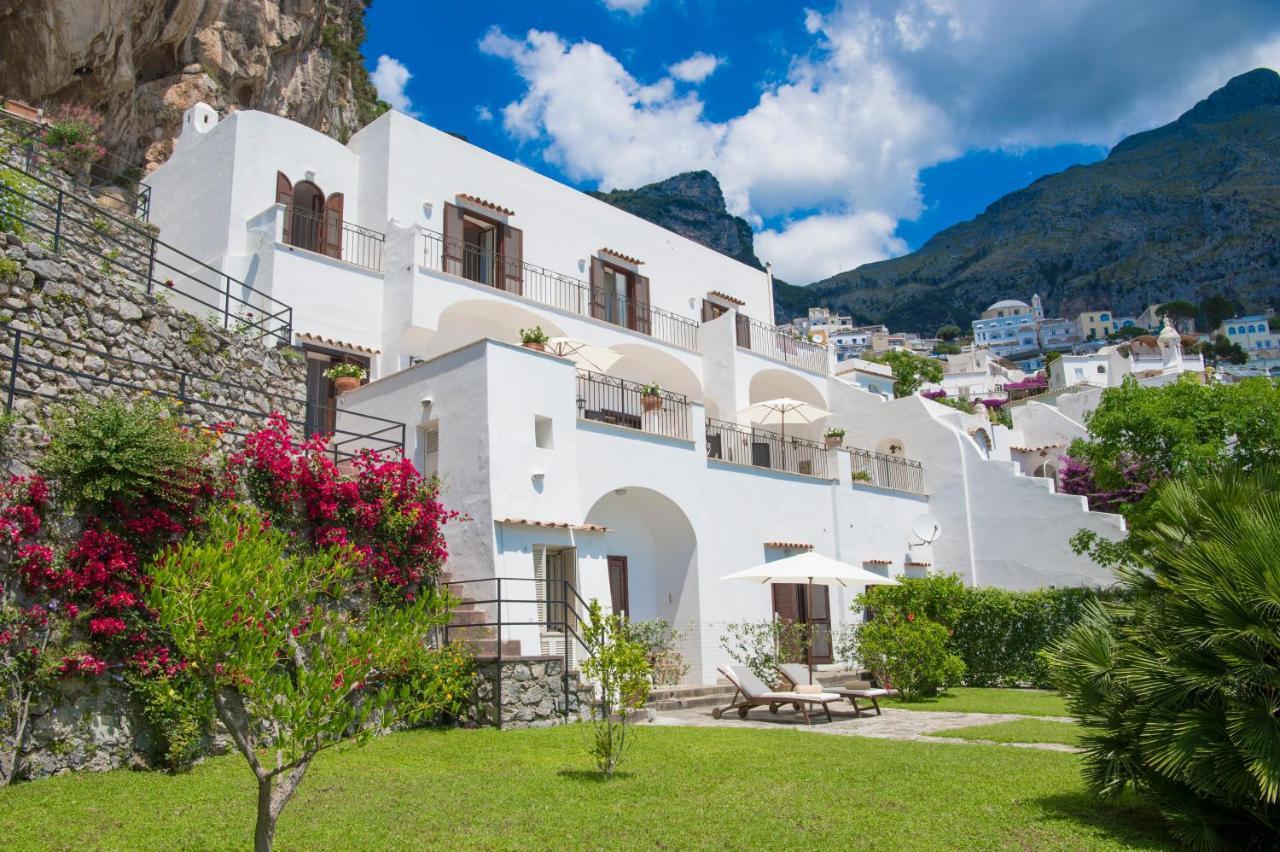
x=721, y=692
x=466, y=623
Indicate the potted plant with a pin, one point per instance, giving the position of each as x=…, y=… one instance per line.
x=651, y=397
x=834, y=437
x=534, y=338
x=345, y=377
x=861, y=476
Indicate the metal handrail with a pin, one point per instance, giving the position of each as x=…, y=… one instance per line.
x=886, y=471
x=609, y=399
x=565, y=625
x=358, y=245
x=773, y=342
x=555, y=290
x=190, y=389
x=732, y=442
x=84, y=226
x=113, y=170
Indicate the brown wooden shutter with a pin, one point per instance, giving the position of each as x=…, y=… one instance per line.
x=820, y=623
x=786, y=602
x=744, y=331
x=333, y=226
x=512, y=271
x=710, y=310
x=598, y=308
x=618, y=584
x=641, y=319
x=284, y=195
x=453, y=240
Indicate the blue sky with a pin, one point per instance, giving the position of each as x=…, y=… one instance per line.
x=845, y=131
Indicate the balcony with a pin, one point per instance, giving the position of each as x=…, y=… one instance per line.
x=736, y=444
x=333, y=237
x=886, y=471
x=555, y=290
x=618, y=402
x=773, y=342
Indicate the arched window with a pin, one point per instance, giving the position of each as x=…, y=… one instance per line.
x=1253, y=329
x=312, y=221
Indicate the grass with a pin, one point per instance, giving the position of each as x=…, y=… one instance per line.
x=1018, y=731
x=681, y=788
x=968, y=699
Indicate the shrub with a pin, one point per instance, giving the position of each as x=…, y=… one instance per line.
x=1176, y=686
x=997, y=633
x=74, y=133
x=286, y=662
x=762, y=645
x=909, y=654
x=619, y=668
x=113, y=452
x=662, y=649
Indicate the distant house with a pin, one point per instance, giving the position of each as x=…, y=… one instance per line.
x=1005, y=327
x=1096, y=325
x=1152, y=360
x=1151, y=318
x=1254, y=334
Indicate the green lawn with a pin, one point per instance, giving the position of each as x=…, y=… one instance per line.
x=683, y=788
x=1018, y=731
x=967, y=699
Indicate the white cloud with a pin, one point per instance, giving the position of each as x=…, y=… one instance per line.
x=889, y=87
x=631, y=7
x=822, y=245
x=696, y=68
x=483, y=113
x=389, y=78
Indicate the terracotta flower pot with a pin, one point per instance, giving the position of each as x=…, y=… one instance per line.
x=833, y=441
x=342, y=384
x=538, y=346
x=650, y=401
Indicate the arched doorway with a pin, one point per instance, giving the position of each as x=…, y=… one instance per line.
x=652, y=557
x=312, y=220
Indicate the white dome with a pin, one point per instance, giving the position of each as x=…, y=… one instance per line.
x=1008, y=303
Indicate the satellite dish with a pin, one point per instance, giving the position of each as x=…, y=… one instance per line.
x=926, y=528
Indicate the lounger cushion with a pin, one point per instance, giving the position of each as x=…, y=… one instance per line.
x=786, y=697
x=864, y=693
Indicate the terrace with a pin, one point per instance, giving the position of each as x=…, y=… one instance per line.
x=772, y=342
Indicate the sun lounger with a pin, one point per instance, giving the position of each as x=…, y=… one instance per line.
x=755, y=694
x=798, y=674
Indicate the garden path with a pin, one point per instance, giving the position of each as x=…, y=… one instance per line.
x=893, y=724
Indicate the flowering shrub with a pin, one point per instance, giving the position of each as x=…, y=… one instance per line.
x=74, y=134
x=1036, y=382
x=939, y=393
x=1076, y=476
x=910, y=654
x=385, y=511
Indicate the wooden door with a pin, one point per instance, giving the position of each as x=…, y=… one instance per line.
x=819, y=620
x=792, y=604
x=618, y=586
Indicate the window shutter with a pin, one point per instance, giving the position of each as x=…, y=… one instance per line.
x=284, y=195
x=786, y=602
x=453, y=240
x=512, y=260
x=540, y=582
x=641, y=319
x=744, y=331
x=618, y=584
x=333, y=225
x=598, y=308
x=431, y=449
x=710, y=310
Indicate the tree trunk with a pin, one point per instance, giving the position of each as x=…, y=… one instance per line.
x=265, y=831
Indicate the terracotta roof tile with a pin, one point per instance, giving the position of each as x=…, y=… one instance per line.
x=480, y=202
x=563, y=525
x=726, y=297
x=307, y=337
x=788, y=545
x=620, y=256
x=877, y=562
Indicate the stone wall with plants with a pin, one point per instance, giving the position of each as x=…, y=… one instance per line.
x=65, y=308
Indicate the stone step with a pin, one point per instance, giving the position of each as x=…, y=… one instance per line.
x=717, y=699
x=459, y=617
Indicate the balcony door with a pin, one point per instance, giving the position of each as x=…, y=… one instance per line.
x=322, y=403
x=811, y=606
x=620, y=296
x=483, y=250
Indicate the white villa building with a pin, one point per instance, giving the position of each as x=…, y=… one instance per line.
x=1108, y=367
x=422, y=257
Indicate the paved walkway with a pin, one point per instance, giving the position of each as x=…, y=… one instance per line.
x=893, y=724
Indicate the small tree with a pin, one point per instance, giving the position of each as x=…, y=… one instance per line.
x=619, y=667
x=949, y=331
x=910, y=371
x=290, y=661
x=762, y=645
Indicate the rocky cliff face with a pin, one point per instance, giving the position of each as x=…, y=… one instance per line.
x=141, y=63
x=692, y=205
x=1184, y=211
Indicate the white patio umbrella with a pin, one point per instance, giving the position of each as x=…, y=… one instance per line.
x=583, y=354
x=810, y=568
x=779, y=410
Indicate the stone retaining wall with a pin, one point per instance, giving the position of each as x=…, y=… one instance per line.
x=532, y=691
x=177, y=354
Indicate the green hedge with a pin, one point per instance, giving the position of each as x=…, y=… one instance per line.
x=996, y=632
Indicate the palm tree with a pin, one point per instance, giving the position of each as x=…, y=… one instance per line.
x=1177, y=681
